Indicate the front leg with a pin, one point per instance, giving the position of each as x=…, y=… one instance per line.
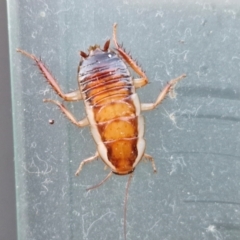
x=169, y=87
x=72, y=96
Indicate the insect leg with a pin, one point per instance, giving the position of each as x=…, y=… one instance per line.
x=168, y=89
x=69, y=115
x=139, y=82
x=72, y=96
x=90, y=159
x=150, y=158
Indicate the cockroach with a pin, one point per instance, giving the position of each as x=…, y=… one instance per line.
x=112, y=106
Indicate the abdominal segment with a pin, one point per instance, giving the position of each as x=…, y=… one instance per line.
x=122, y=154
x=118, y=127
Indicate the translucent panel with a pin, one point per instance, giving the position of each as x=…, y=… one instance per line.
x=194, y=138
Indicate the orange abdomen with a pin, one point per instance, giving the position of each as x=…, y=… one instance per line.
x=107, y=90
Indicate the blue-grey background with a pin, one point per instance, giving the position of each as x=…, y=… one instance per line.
x=7, y=191
x=194, y=138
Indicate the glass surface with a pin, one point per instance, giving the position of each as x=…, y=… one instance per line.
x=193, y=138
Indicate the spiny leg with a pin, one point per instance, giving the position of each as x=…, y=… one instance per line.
x=150, y=158
x=138, y=82
x=90, y=159
x=169, y=88
x=69, y=115
x=72, y=96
